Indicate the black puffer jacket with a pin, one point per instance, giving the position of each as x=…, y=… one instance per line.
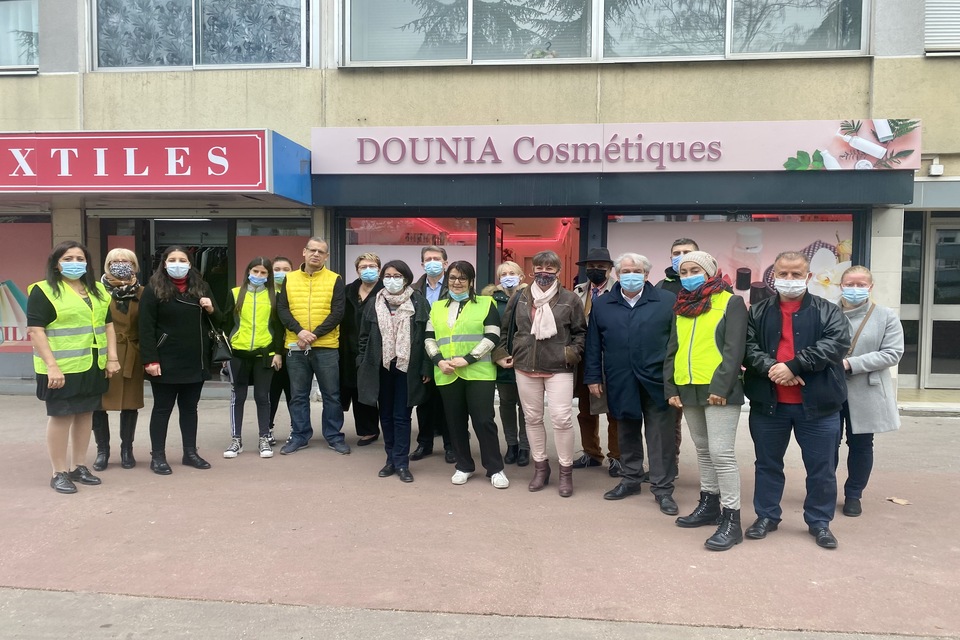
x=820, y=341
x=558, y=354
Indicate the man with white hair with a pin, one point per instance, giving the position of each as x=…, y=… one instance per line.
x=627, y=337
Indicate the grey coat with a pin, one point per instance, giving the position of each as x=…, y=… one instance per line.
x=870, y=392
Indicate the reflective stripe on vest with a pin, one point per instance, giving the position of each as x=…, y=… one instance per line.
x=698, y=355
x=77, y=330
x=309, y=297
x=460, y=339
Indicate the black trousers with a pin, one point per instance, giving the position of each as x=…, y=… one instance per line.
x=661, y=445
x=473, y=399
x=279, y=385
x=165, y=396
x=432, y=419
x=246, y=371
x=366, y=418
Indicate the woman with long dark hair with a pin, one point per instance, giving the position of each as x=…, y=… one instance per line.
x=177, y=312
x=256, y=336
x=75, y=352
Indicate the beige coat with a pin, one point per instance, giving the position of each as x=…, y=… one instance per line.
x=126, y=389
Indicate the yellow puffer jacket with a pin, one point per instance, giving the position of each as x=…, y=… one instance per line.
x=309, y=297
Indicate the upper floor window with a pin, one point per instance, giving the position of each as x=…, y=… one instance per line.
x=19, y=30
x=186, y=33
x=942, y=27
x=384, y=31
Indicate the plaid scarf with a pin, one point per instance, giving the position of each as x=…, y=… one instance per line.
x=691, y=304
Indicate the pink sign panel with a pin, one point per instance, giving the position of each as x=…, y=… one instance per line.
x=168, y=161
x=806, y=145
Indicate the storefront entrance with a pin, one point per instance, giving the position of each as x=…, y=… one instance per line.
x=940, y=348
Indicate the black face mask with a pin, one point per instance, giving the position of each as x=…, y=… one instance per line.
x=597, y=276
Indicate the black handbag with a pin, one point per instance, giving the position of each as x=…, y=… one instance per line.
x=220, y=350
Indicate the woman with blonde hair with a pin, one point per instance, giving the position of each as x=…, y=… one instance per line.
x=120, y=269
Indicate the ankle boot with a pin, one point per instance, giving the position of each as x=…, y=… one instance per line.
x=511, y=456
x=101, y=433
x=728, y=534
x=707, y=512
x=128, y=425
x=192, y=459
x=541, y=475
x=158, y=463
x=566, y=481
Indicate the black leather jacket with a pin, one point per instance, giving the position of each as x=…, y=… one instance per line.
x=821, y=340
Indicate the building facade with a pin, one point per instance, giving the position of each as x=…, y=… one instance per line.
x=299, y=67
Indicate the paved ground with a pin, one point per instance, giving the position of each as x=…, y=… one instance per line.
x=316, y=545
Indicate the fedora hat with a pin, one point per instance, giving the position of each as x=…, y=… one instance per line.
x=596, y=254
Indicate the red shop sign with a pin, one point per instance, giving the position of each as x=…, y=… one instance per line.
x=166, y=161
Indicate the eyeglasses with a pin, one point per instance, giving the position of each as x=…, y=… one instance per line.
x=318, y=251
x=394, y=278
x=458, y=279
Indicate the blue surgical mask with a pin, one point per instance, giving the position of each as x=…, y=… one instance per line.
x=693, y=283
x=257, y=281
x=459, y=297
x=509, y=282
x=855, y=295
x=73, y=270
x=177, y=269
x=632, y=281
x=279, y=276
x=370, y=275
x=675, y=262
x=433, y=268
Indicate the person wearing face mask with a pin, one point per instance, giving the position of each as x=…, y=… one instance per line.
x=871, y=406
x=462, y=332
x=359, y=294
x=126, y=390
x=796, y=343
x=626, y=346
x=600, y=280
x=177, y=310
x=256, y=337
x=392, y=367
x=541, y=337
x=74, y=355
x=510, y=278
x=702, y=377
x=280, y=385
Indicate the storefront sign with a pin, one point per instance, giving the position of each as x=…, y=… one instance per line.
x=818, y=145
x=165, y=161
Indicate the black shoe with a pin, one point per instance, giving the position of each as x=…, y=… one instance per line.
x=387, y=471
x=101, y=433
x=82, y=475
x=707, y=512
x=728, y=534
x=586, y=460
x=364, y=442
x=620, y=492
x=667, y=504
x=158, y=463
x=61, y=483
x=103, y=456
x=404, y=474
x=852, y=507
x=645, y=477
x=523, y=457
x=127, y=460
x=449, y=456
x=421, y=452
x=614, y=468
x=513, y=450
x=192, y=459
x=760, y=528
x=824, y=537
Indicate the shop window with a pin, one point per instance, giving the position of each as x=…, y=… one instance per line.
x=412, y=30
x=25, y=243
x=912, y=266
x=19, y=35
x=269, y=238
x=185, y=33
x=911, y=342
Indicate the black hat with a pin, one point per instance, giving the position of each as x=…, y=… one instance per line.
x=596, y=254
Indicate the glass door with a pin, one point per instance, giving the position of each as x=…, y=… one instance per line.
x=941, y=323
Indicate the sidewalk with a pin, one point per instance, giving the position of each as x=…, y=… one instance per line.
x=322, y=531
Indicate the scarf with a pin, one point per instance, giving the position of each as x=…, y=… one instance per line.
x=395, y=327
x=691, y=304
x=122, y=291
x=544, y=324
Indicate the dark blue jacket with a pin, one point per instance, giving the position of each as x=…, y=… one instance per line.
x=626, y=345
x=821, y=338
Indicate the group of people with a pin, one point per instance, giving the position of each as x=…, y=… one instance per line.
x=387, y=343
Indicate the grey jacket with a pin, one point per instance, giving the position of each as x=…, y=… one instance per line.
x=870, y=393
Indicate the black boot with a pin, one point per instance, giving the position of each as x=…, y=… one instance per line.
x=191, y=459
x=158, y=463
x=101, y=433
x=728, y=534
x=707, y=512
x=128, y=425
x=512, y=451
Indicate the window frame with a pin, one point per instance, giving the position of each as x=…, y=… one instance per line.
x=943, y=42
x=24, y=69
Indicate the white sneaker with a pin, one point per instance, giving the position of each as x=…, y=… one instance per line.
x=460, y=477
x=235, y=449
x=499, y=480
x=266, y=451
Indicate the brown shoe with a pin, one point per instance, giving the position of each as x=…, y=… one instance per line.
x=541, y=475
x=566, y=481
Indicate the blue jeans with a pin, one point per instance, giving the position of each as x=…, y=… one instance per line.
x=324, y=363
x=395, y=416
x=818, y=439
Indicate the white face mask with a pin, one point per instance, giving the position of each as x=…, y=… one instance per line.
x=393, y=285
x=790, y=288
